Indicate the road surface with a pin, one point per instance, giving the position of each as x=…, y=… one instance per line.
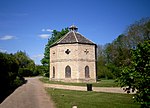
x=30, y=95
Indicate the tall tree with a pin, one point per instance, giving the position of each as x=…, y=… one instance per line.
x=102, y=69
x=118, y=52
x=56, y=35
x=134, y=56
x=23, y=59
x=138, y=32
x=137, y=75
x=26, y=64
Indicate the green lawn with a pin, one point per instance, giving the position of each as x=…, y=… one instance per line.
x=68, y=98
x=102, y=83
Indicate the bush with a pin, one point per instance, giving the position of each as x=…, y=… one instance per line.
x=105, y=73
x=18, y=81
x=9, y=77
x=42, y=70
x=26, y=72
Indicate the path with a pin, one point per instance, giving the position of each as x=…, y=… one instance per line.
x=81, y=88
x=29, y=95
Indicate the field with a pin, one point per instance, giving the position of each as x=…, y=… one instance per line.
x=102, y=83
x=68, y=98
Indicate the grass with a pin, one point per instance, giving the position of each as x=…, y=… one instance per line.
x=102, y=83
x=68, y=98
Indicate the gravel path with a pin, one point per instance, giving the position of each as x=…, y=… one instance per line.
x=81, y=88
x=29, y=95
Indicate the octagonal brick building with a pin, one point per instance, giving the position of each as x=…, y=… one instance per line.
x=73, y=58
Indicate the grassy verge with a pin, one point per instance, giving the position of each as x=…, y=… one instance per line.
x=68, y=98
x=102, y=83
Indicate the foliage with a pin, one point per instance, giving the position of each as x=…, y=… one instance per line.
x=102, y=70
x=138, y=32
x=128, y=59
x=42, y=70
x=56, y=35
x=82, y=99
x=13, y=67
x=18, y=81
x=113, y=56
x=117, y=54
x=25, y=72
x=9, y=76
x=27, y=66
x=137, y=75
x=22, y=58
x=121, y=58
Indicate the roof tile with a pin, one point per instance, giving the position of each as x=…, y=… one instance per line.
x=74, y=37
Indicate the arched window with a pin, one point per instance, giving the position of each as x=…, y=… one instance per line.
x=87, y=74
x=67, y=72
x=53, y=72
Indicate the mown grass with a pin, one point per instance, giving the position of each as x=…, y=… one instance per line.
x=84, y=99
x=102, y=83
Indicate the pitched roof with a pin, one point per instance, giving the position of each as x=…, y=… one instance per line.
x=73, y=37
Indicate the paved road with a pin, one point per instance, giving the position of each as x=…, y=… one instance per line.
x=29, y=95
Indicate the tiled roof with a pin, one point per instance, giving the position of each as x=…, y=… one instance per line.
x=74, y=37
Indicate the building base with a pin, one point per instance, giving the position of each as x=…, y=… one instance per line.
x=87, y=80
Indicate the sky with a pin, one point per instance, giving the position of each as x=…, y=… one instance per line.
x=26, y=25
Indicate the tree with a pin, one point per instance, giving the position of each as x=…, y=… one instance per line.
x=137, y=75
x=9, y=76
x=22, y=58
x=118, y=52
x=128, y=57
x=138, y=32
x=26, y=64
x=56, y=35
x=102, y=69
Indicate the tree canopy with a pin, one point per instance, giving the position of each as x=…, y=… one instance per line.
x=13, y=69
x=27, y=66
x=9, y=76
x=128, y=59
x=137, y=75
x=117, y=54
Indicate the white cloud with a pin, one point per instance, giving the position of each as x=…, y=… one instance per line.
x=44, y=36
x=1, y=50
x=7, y=37
x=43, y=30
x=38, y=56
x=47, y=30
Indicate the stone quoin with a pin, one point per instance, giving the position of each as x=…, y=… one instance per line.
x=73, y=58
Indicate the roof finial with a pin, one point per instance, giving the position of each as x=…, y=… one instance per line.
x=73, y=28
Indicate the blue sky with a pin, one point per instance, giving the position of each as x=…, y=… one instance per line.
x=26, y=24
